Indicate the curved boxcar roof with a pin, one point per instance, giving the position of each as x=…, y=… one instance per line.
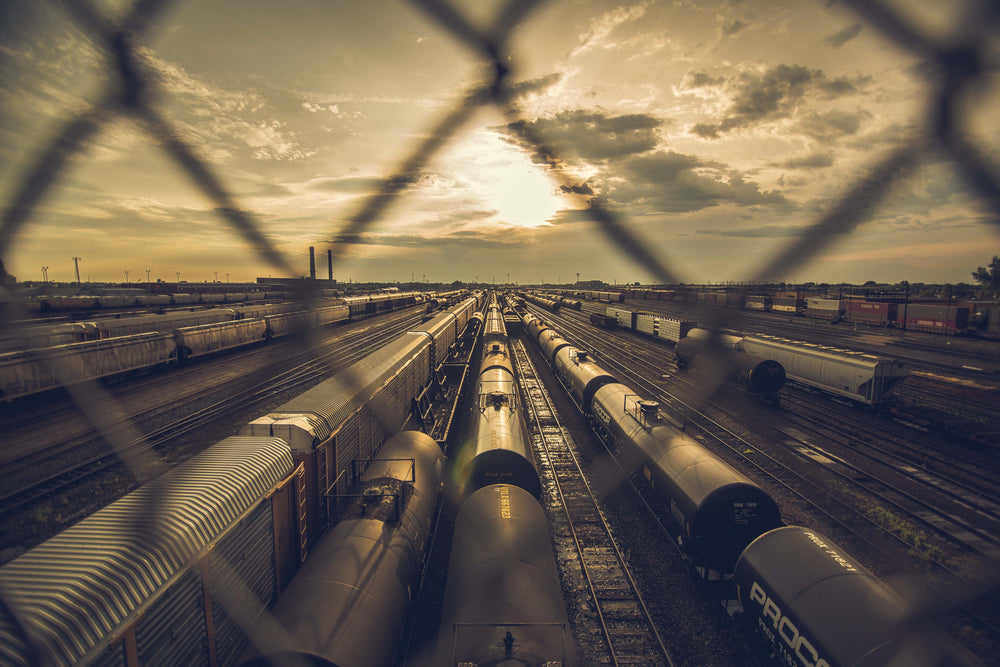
x=75, y=590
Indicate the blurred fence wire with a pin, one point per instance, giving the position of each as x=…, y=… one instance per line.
x=955, y=65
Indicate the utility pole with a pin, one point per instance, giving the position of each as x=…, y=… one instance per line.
x=216, y=276
x=76, y=263
x=227, y=278
x=126, y=276
x=147, y=280
x=45, y=275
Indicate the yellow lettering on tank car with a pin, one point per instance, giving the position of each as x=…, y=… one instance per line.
x=504, y=502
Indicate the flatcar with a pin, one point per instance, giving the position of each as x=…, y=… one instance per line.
x=348, y=603
x=503, y=601
x=812, y=604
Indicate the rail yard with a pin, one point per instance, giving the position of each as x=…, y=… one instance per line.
x=620, y=483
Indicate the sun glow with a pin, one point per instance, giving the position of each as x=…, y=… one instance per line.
x=519, y=191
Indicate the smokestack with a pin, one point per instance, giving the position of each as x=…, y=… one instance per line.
x=312, y=262
x=329, y=264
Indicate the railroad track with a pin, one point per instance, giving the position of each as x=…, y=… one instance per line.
x=784, y=472
x=18, y=496
x=620, y=615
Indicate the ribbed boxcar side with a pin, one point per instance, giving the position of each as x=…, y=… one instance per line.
x=349, y=602
x=208, y=338
x=128, y=582
x=29, y=372
x=813, y=604
x=719, y=509
x=856, y=375
x=503, y=601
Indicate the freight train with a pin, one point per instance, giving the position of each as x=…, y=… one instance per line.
x=718, y=508
x=177, y=571
x=114, y=347
x=503, y=601
x=498, y=448
x=799, y=594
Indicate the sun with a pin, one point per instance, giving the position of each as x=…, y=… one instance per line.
x=520, y=192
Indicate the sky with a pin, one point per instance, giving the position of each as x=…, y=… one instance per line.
x=715, y=132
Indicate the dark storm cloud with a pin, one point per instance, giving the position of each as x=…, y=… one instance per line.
x=811, y=161
x=838, y=39
x=590, y=135
x=673, y=182
x=774, y=94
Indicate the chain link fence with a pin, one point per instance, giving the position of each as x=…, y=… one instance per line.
x=954, y=64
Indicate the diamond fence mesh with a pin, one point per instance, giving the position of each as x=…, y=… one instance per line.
x=955, y=64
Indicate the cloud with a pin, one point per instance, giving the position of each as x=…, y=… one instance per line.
x=838, y=39
x=348, y=184
x=491, y=238
x=672, y=182
x=589, y=135
x=827, y=127
x=774, y=94
x=757, y=232
x=811, y=161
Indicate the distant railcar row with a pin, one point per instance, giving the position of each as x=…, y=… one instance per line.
x=784, y=578
x=940, y=318
x=56, y=304
x=239, y=519
x=37, y=359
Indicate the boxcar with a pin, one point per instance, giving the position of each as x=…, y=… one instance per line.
x=855, y=375
x=870, y=312
x=129, y=586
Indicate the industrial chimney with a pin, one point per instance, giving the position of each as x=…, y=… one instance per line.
x=329, y=264
x=312, y=263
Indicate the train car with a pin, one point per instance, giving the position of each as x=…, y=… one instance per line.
x=872, y=313
x=193, y=342
x=932, y=318
x=861, y=377
x=830, y=310
x=27, y=372
x=347, y=417
x=503, y=601
x=812, y=604
x=719, y=510
x=185, y=299
x=28, y=337
x=788, y=304
x=153, y=300
x=949, y=406
x=153, y=577
x=759, y=377
x=603, y=321
x=550, y=305
x=758, y=302
x=498, y=448
x=348, y=603
x=125, y=326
